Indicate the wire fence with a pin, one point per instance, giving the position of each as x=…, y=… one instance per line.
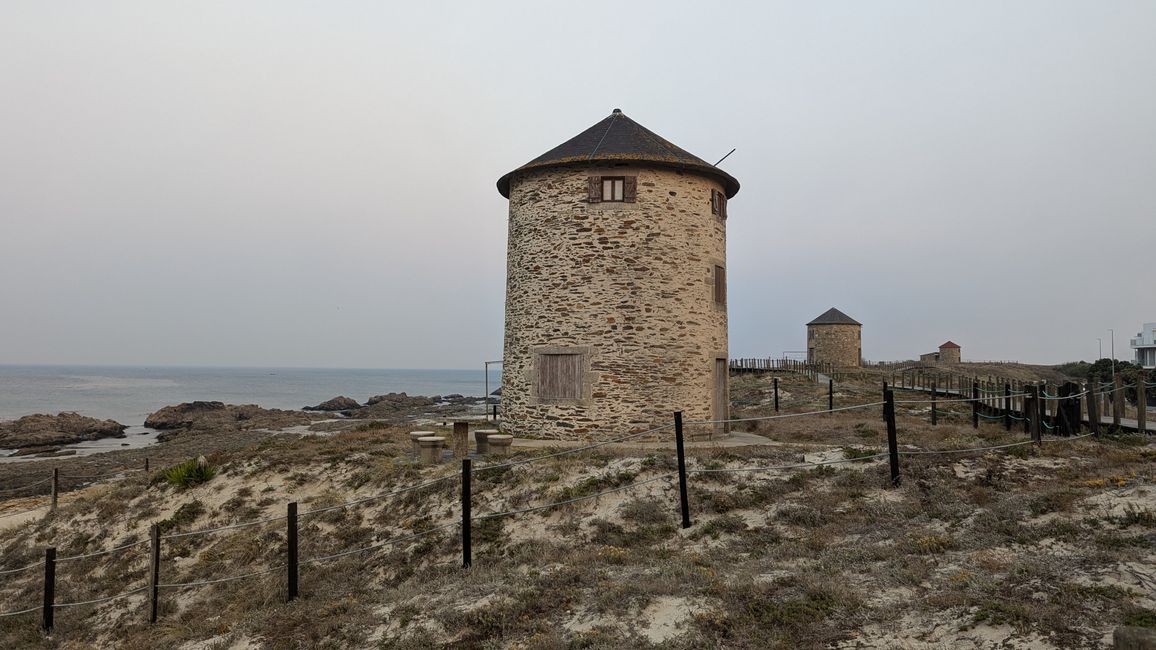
x=293, y=563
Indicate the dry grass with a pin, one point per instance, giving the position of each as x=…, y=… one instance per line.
x=1050, y=545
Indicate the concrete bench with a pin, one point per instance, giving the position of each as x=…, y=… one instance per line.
x=431, y=449
x=500, y=442
x=481, y=440
x=413, y=438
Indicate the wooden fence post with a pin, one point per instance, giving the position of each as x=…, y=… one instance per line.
x=467, y=542
x=154, y=570
x=975, y=404
x=830, y=394
x=885, y=398
x=934, y=416
x=776, y=394
x=892, y=442
x=1037, y=416
x=55, y=487
x=1105, y=401
x=49, y=589
x=1007, y=406
x=146, y=465
x=1117, y=401
x=683, y=500
x=1093, y=406
x=291, y=563
x=461, y=439
x=1141, y=404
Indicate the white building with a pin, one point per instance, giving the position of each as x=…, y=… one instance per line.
x=1145, y=346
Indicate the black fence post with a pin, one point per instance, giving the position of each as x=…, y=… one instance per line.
x=1075, y=417
x=892, y=442
x=885, y=400
x=1007, y=406
x=154, y=570
x=975, y=404
x=934, y=415
x=683, y=501
x=776, y=394
x=291, y=563
x=467, y=549
x=49, y=589
x=830, y=394
x=1062, y=409
x=1037, y=419
x=146, y=465
x=55, y=487
x=1093, y=405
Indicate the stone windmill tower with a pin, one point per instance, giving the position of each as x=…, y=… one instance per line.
x=616, y=286
x=835, y=338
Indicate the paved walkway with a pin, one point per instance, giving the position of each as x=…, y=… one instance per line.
x=732, y=439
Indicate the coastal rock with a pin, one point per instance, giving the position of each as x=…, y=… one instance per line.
x=44, y=430
x=392, y=405
x=341, y=403
x=220, y=416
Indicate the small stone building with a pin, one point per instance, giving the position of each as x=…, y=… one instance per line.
x=835, y=338
x=616, y=291
x=949, y=353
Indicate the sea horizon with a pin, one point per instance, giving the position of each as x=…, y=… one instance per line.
x=129, y=393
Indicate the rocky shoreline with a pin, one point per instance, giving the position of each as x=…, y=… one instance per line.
x=44, y=435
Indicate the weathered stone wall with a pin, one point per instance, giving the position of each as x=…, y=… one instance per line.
x=949, y=355
x=628, y=285
x=836, y=344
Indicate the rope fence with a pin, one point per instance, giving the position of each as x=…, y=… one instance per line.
x=292, y=563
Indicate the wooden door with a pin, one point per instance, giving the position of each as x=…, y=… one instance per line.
x=720, y=407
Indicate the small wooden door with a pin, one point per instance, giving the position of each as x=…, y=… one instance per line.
x=720, y=406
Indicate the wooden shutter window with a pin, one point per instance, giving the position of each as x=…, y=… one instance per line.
x=720, y=285
x=722, y=206
x=594, y=189
x=630, y=189
x=713, y=202
x=559, y=376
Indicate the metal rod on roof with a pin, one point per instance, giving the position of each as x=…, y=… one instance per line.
x=724, y=157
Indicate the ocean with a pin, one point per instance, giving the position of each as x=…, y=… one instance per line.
x=129, y=394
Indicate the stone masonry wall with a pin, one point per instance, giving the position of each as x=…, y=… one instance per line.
x=630, y=286
x=835, y=343
x=949, y=355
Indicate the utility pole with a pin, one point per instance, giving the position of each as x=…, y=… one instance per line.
x=1100, y=342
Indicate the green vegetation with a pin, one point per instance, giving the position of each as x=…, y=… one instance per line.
x=189, y=473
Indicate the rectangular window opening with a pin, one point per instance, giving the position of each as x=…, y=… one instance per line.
x=614, y=188
x=720, y=285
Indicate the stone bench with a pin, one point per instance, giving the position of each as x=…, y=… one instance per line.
x=413, y=438
x=500, y=442
x=481, y=440
x=431, y=449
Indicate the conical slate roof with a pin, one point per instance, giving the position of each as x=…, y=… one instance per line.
x=618, y=138
x=834, y=317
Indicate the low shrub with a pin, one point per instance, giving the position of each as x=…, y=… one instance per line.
x=189, y=473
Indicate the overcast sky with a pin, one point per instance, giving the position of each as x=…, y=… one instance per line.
x=312, y=184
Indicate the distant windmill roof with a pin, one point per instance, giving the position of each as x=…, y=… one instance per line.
x=834, y=317
x=618, y=138
x=949, y=344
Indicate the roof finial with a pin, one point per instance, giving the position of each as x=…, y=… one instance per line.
x=617, y=110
